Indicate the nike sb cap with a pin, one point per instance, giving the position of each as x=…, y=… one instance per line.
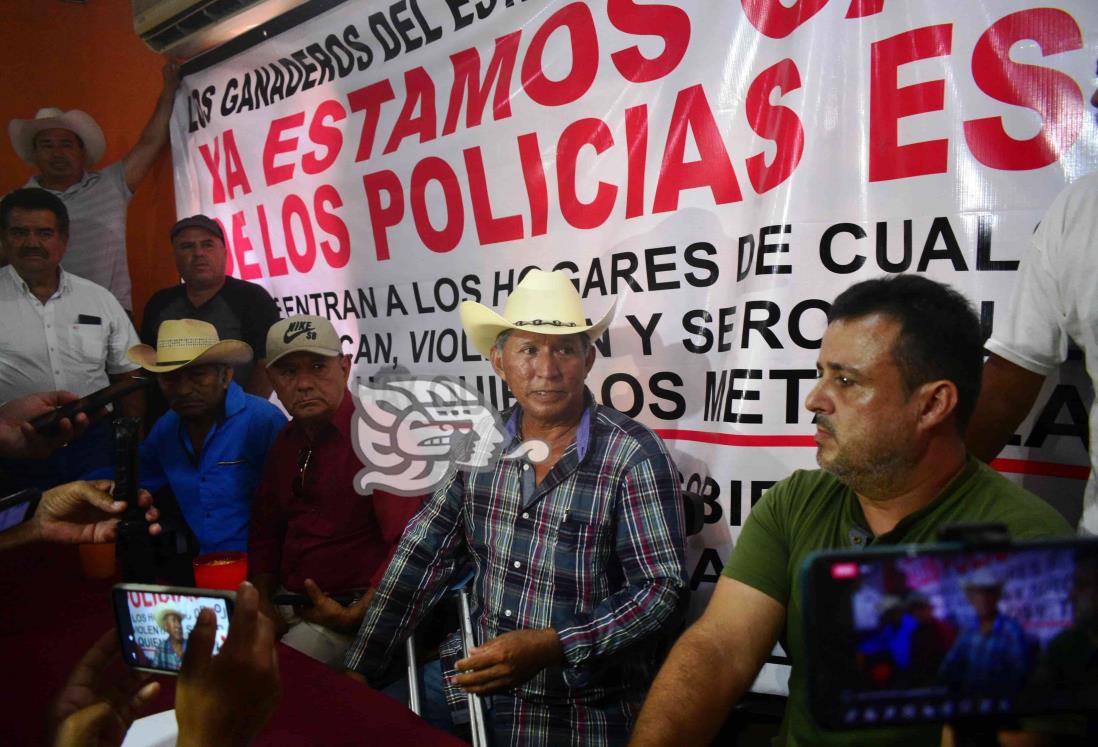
x=302, y=334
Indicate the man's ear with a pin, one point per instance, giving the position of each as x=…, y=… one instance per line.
x=495, y=357
x=937, y=402
x=345, y=365
x=227, y=374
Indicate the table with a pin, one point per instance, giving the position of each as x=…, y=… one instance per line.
x=50, y=615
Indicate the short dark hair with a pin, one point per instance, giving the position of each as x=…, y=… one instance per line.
x=33, y=198
x=939, y=332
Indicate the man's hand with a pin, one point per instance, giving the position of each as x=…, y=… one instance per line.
x=18, y=440
x=330, y=613
x=96, y=707
x=508, y=660
x=226, y=699
x=170, y=73
x=84, y=512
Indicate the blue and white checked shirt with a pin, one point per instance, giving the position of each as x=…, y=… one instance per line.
x=596, y=551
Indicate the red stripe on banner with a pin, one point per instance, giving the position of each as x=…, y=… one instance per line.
x=1013, y=466
x=734, y=439
x=1045, y=469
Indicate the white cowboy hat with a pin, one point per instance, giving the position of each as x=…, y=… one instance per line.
x=163, y=612
x=22, y=132
x=983, y=578
x=543, y=302
x=184, y=342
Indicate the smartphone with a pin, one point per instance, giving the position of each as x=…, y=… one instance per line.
x=91, y=404
x=932, y=633
x=18, y=507
x=154, y=622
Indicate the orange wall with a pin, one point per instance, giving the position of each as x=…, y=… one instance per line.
x=87, y=57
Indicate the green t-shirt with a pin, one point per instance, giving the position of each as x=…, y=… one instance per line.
x=812, y=510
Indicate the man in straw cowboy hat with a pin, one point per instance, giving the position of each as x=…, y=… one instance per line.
x=991, y=654
x=169, y=654
x=578, y=556
x=312, y=534
x=63, y=146
x=211, y=446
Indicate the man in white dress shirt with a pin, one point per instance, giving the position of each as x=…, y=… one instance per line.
x=57, y=331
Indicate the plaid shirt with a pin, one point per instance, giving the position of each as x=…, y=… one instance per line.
x=595, y=551
x=992, y=664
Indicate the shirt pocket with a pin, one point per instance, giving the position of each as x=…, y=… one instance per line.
x=579, y=556
x=90, y=341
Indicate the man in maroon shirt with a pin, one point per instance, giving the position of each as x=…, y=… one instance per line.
x=311, y=533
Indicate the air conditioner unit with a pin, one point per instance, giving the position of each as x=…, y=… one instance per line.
x=185, y=28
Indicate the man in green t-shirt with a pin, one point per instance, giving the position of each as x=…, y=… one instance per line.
x=899, y=376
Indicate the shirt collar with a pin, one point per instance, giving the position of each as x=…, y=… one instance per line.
x=583, y=432
x=64, y=285
x=86, y=179
x=899, y=532
x=235, y=399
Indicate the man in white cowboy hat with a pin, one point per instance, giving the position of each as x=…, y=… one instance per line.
x=57, y=331
x=169, y=654
x=312, y=534
x=579, y=557
x=63, y=147
x=240, y=310
x=991, y=655
x=211, y=446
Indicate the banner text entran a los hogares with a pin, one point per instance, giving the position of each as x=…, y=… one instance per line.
x=478, y=84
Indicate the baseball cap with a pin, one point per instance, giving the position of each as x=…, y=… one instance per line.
x=302, y=334
x=198, y=221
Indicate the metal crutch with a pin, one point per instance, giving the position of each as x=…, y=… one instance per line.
x=477, y=720
x=413, y=674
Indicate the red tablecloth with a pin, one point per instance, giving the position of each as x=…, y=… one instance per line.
x=50, y=615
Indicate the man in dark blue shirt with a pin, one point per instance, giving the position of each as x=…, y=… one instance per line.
x=210, y=447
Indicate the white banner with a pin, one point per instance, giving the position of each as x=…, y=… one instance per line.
x=725, y=167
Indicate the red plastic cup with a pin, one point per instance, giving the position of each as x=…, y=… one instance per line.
x=221, y=570
x=97, y=561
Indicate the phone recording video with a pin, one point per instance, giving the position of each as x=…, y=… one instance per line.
x=941, y=633
x=154, y=623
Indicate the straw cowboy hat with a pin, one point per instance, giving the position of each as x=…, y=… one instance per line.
x=983, y=579
x=22, y=132
x=183, y=342
x=163, y=612
x=544, y=302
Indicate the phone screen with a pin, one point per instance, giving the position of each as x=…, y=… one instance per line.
x=154, y=623
x=939, y=633
x=17, y=508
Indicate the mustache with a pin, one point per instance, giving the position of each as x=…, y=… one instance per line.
x=824, y=424
x=32, y=251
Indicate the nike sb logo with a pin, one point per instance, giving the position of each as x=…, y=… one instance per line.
x=296, y=330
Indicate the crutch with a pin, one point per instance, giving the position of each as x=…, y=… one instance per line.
x=476, y=704
x=477, y=720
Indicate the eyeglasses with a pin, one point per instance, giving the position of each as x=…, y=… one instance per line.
x=297, y=487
